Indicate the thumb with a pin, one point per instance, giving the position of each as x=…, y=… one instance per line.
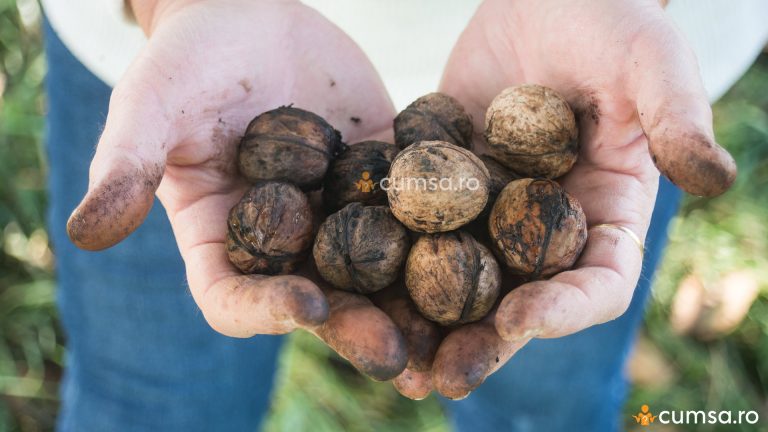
x=675, y=114
x=128, y=165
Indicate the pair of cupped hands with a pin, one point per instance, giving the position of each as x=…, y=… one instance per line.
x=176, y=118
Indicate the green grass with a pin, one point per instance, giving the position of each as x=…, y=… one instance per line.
x=31, y=346
x=318, y=391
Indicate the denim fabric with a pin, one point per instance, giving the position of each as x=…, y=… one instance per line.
x=140, y=355
x=575, y=383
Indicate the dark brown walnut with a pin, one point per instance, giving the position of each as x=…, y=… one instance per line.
x=500, y=176
x=355, y=175
x=288, y=144
x=361, y=249
x=434, y=117
x=537, y=228
x=270, y=229
x=532, y=131
x=452, y=278
x=435, y=186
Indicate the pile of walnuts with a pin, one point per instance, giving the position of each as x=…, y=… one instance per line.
x=445, y=219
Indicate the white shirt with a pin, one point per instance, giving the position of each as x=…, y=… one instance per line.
x=726, y=35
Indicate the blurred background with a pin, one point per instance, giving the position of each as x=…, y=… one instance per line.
x=703, y=345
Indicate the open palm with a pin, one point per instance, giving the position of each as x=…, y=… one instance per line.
x=174, y=123
x=635, y=87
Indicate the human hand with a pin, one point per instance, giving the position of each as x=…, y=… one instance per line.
x=174, y=123
x=635, y=86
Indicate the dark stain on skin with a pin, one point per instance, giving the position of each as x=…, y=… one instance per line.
x=333, y=83
x=110, y=212
x=702, y=169
x=355, y=120
x=587, y=106
x=225, y=144
x=315, y=308
x=245, y=85
x=593, y=111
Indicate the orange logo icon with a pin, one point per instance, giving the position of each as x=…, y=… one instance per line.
x=365, y=184
x=644, y=417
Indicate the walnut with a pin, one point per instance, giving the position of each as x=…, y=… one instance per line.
x=532, y=131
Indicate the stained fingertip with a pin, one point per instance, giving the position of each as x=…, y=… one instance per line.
x=304, y=301
x=516, y=319
x=467, y=357
x=456, y=383
x=692, y=160
x=114, y=208
x=241, y=306
x=364, y=335
x=413, y=385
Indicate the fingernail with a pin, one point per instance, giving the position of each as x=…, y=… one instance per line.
x=525, y=336
x=458, y=398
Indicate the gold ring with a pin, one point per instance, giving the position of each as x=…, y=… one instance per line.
x=628, y=232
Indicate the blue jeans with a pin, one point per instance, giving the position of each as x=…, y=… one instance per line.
x=141, y=357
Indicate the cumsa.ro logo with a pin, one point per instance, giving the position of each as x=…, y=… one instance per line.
x=645, y=417
x=366, y=184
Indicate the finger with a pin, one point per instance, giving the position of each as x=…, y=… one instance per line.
x=598, y=290
x=239, y=305
x=128, y=164
x=364, y=335
x=422, y=336
x=675, y=114
x=234, y=304
x=468, y=355
x=413, y=385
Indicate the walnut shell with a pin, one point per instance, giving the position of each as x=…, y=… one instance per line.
x=537, y=227
x=500, y=176
x=288, y=144
x=532, y=130
x=270, y=229
x=355, y=175
x=434, y=186
x=452, y=278
x=361, y=249
x=433, y=117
